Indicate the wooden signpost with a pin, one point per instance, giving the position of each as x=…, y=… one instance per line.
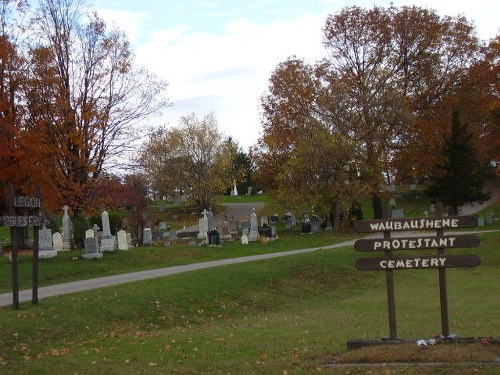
x=23, y=212
x=389, y=262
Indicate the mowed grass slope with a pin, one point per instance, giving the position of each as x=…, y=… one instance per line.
x=282, y=316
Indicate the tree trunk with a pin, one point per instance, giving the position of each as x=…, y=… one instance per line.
x=335, y=214
x=377, y=206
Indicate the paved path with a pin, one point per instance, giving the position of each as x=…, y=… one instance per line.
x=101, y=282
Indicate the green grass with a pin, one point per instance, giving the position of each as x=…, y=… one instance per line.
x=282, y=316
x=70, y=266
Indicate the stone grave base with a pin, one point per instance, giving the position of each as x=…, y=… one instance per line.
x=92, y=256
x=47, y=254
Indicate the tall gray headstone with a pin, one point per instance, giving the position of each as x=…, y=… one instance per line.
x=91, y=249
x=254, y=229
x=45, y=247
x=147, y=239
x=106, y=231
x=67, y=226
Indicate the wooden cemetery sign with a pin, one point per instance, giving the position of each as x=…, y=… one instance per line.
x=389, y=262
x=23, y=212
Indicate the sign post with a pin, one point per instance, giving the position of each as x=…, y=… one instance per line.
x=441, y=261
x=23, y=212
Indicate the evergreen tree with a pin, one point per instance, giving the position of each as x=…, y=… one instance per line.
x=461, y=177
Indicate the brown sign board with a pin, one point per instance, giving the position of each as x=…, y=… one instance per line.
x=434, y=223
x=23, y=221
x=417, y=262
x=417, y=243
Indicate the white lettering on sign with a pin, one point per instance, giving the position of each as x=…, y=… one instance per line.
x=420, y=243
x=27, y=202
x=408, y=263
x=438, y=223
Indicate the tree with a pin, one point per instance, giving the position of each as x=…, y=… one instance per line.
x=192, y=157
x=462, y=176
x=388, y=70
x=84, y=96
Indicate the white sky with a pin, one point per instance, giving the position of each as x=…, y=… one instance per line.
x=218, y=55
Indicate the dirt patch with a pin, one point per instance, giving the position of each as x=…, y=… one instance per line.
x=479, y=352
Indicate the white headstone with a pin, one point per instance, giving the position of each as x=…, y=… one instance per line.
x=122, y=240
x=244, y=239
x=57, y=241
x=203, y=227
x=106, y=231
x=89, y=233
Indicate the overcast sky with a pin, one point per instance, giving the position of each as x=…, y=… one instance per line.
x=218, y=55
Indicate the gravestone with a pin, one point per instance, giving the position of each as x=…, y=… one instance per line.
x=233, y=227
x=275, y=219
x=244, y=239
x=57, y=241
x=254, y=230
x=108, y=244
x=45, y=247
x=129, y=240
x=234, y=190
x=249, y=190
x=211, y=220
x=265, y=231
x=203, y=227
x=122, y=240
x=305, y=217
x=273, y=231
x=106, y=231
x=147, y=239
x=214, y=238
x=96, y=229
x=413, y=187
x=315, y=224
x=91, y=249
x=392, y=201
x=225, y=234
x=157, y=235
x=480, y=221
x=162, y=226
x=172, y=235
x=89, y=233
x=288, y=225
x=245, y=226
x=67, y=226
x=264, y=221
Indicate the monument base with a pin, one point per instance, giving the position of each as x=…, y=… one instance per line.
x=47, y=254
x=92, y=256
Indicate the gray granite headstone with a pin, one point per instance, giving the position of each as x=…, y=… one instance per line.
x=108, y=243
x=45, y=247
x=147, y=239
x=106, y=231
x=91, y=250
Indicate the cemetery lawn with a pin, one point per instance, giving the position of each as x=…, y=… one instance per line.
x=291, y=315
x=70, y=266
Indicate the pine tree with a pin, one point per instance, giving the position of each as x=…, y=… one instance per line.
x=461, y=177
